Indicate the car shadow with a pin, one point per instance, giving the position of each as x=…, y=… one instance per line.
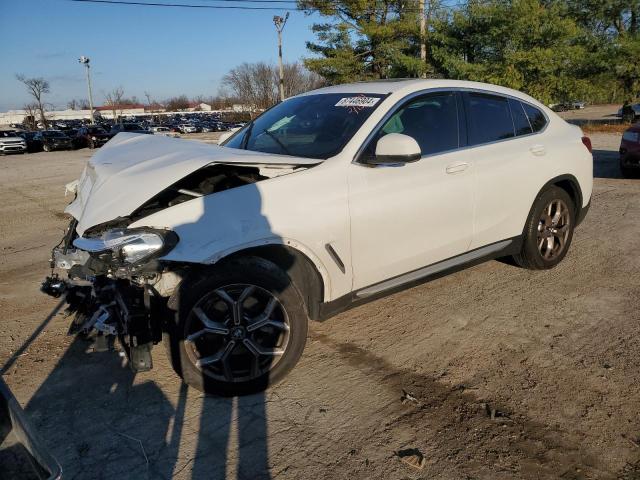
x=101, y=420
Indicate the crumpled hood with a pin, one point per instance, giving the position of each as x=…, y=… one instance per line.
x=132, y=168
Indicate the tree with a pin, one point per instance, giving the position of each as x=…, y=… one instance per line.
x=37, y=87
x=253, y=84
x=256, y=84
x=78, y=104
x=367, y=39
x=177, y=104
x=528, y=45
x=114, y=99
x=31, y=113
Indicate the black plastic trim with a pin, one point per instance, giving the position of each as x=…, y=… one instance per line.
x=329, y=309
x=336, y=258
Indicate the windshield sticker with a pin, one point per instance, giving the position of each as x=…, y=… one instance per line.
x=358, y=102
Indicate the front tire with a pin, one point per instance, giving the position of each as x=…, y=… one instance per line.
x=548, y=231
x=239, y=328
x=46, y=148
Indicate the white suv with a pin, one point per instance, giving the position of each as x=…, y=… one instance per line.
x=327, y=200
x=10, y=142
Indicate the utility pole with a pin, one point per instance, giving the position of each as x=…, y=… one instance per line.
x=423, y=36
x=85, y=61
x=280, y=22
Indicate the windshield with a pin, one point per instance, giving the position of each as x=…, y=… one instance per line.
x=53, y=134
x=313, y=126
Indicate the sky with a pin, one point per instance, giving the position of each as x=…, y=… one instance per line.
x=164, y=51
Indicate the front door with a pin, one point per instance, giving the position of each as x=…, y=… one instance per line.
x=404, y=217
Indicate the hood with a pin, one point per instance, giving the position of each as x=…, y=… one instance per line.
x=131, y=168
x=11, y=139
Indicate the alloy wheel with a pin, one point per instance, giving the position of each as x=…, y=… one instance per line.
x=554, y=228
x=237, y=333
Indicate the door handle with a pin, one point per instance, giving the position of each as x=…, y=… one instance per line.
x=457, y=167
x=538, y=150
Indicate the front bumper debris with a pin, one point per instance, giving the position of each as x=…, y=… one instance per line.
x=105, y=307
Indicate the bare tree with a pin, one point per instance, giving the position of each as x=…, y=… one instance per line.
x=114, y=100
x=148, y=95
x=297, y=79
x=253, y=84
x=78, y=104
x=256, y=84
x=37, y=87
x=31, y=113
x=176, y=104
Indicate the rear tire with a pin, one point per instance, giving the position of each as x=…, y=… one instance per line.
x=548, y=231
x=215, y=342
x=628, y=172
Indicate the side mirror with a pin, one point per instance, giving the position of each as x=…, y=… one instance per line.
x=396, y=148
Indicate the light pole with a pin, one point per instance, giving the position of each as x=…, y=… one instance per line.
x=280, y=22
x=85, y=61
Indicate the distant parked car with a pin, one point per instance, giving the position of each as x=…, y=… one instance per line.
x=126, y=127
x=579, y=105
x=630, y=151
x=164, y=131
x=91, y=136
x=186, y=128
x=636, y=113
x=10, y=142
x=32, y=144
x=54, y=140
x=562, y=107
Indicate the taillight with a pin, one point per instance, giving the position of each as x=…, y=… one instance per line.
x=587, y=143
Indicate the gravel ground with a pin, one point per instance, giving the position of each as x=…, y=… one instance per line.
x=513, y=374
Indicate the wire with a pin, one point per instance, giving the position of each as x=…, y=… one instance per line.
x=184, y=5
x=237, y=7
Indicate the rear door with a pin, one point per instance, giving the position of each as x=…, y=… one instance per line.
x=502, y=136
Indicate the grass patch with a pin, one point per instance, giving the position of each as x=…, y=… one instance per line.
x=604, y=128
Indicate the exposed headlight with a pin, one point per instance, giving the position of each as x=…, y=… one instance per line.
x=93, y=138
x=130, y=246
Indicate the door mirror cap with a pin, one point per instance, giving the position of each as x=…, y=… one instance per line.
x=396, y=148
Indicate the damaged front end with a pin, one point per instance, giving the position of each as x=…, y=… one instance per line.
x=111, y=269
x=114, y=288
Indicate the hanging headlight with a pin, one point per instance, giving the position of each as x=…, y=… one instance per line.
x=130, y=246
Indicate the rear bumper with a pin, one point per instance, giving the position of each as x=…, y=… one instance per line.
x=583, y=213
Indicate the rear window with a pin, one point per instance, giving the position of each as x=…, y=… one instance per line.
x=536, y=117
x=520, y=120
x=488, y=118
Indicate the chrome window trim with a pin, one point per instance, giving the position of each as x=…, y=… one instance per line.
x=411, y=96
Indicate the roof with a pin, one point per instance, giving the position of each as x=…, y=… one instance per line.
x=405, y=86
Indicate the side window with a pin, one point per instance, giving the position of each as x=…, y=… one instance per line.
x=488, y=118
x=536, y=117
x=432, y=120
x=520, y=120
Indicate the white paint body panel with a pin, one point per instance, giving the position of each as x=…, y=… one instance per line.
x=131, y=168
x=382, y=222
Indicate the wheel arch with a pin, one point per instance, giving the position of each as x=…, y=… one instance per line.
x=311, y=280
x=569, y=184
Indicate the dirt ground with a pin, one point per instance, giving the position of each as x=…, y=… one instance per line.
x=593, y=112
x=512, y=374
